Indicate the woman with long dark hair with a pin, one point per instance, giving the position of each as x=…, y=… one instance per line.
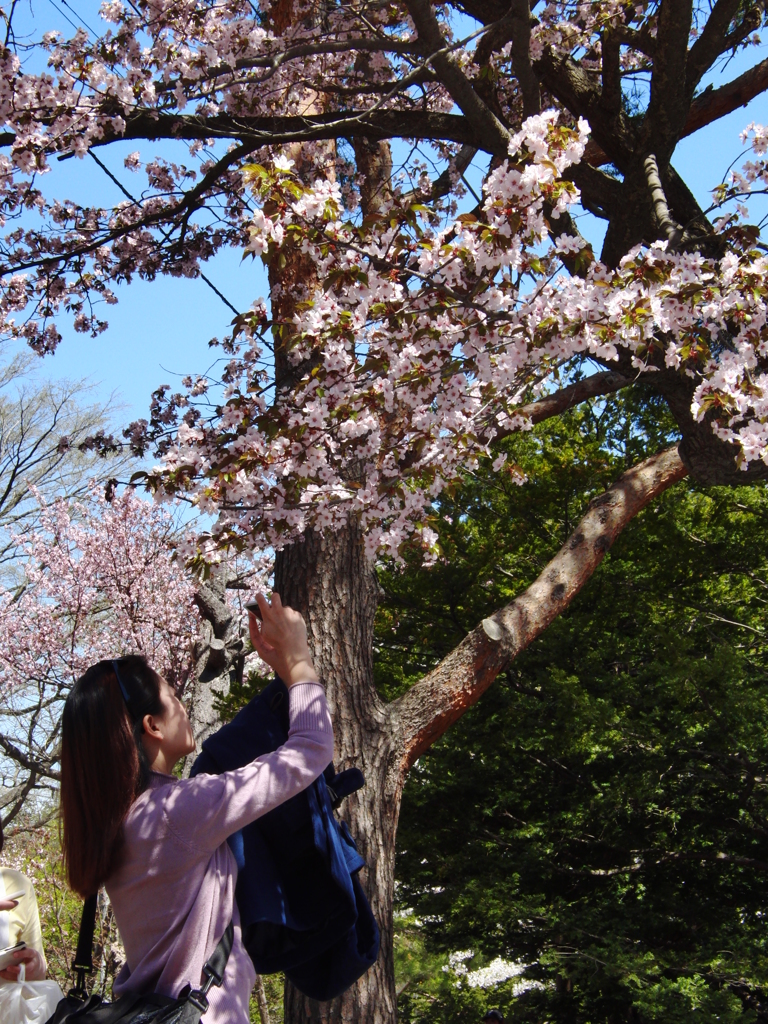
x=158, y=843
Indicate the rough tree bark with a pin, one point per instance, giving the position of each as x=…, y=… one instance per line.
x=328, y=578
x=218, y=656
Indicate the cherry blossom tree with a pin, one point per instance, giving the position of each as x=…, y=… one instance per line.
x=408, y=329
x=42, y=426
x=99, y=581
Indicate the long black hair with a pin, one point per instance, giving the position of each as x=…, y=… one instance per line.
x=104, y=766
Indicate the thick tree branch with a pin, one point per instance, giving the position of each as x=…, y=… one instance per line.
x=491, y=133
x=262, y=131
x=604, y=383
x=669, y=101
x=274, y=61
x=710, y=106
x=600, y=193
x=439, y=699
x=17, y=802
x=14, y=796
x=575, y=263
x=378, y=44
x=390, y=88
x=564, y=78
x=577, y=89
x=29, y=763
x=374, y=165
x=180, y=212
x=690, y=215
x=611, y=72
x=493, y=40
x=664, y=220
x=716, y=103
x=641, y=40
x=520, y=16
x=484, y=11
x=711, y=43
x=443, y=185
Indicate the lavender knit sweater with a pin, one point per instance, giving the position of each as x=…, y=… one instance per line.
x=173, y=894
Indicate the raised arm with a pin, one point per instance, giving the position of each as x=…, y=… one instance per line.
x=205, y=810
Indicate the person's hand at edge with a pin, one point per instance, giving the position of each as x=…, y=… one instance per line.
x=281, y=641
x=34, y=966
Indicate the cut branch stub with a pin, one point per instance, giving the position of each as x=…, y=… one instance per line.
x=492, y=629
x=218, y=657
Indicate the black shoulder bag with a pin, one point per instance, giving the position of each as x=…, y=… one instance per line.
x=80, y=1008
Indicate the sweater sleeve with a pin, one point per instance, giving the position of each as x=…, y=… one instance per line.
x=202, y=812
x=31, y=932
x=24, y=918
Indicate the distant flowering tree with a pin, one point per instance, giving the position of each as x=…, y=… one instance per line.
x=408, y=329
x=42, y=426
x=98, y=581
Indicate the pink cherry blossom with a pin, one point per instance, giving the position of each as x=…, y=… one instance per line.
x=100, y=580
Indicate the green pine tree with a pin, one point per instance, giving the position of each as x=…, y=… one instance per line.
x=601, y=816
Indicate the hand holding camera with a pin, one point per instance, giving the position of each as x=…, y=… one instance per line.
x=280, y=639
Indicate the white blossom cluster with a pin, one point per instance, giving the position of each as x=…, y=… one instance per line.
x=421, y=343
x=494, y=973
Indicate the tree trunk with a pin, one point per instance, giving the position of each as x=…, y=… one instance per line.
x=328, y=578
x=261, y=998
x=372, y=817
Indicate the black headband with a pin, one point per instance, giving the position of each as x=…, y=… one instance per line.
x=121, y=684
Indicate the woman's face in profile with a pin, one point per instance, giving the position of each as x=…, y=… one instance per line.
x=178, y=740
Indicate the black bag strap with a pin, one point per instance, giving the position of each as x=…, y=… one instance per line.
x=83, y=962
x=84, y=953
x=213, y=968
x=216, y=964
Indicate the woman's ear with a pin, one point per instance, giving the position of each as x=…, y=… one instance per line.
x=152, y=727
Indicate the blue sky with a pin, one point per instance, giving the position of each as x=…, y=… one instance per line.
x=160, y=330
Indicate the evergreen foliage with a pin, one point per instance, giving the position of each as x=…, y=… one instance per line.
x=601, y=815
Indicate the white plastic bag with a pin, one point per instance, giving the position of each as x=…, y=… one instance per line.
x=28, y=1002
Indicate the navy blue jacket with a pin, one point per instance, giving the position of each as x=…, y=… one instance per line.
x=302, y=908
